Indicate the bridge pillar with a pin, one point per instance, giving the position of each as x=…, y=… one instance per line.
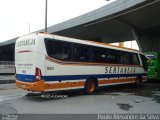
x=136, y=37
x=149, y=43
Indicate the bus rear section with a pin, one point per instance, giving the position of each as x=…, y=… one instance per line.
x=28, y=72
x=153, y=65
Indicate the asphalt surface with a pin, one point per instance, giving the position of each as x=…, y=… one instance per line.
x=121, y=99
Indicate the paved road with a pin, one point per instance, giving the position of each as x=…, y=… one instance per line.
x=115, y=99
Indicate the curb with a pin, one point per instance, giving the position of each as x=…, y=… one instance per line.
x=7, y=81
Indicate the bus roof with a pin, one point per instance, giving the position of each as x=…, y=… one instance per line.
x=88, y=42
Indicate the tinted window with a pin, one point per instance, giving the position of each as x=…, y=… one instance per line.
x=112, y=56
x=124, y=58
x=68, y=51
x=58, y=49
x=135, y=59
x=99, y=55
x=144, y=62
x=105, y=55
x=81, y=53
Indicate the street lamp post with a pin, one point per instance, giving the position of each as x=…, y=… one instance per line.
x=29, y=28
x=46, y=16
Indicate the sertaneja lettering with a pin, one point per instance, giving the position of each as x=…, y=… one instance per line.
x=118, y=70
x=26, y=42
x=114, y=69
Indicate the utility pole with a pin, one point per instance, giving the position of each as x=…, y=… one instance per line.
x=46, y=16
x=29, y=31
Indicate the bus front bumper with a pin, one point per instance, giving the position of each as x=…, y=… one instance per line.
x=33, y=86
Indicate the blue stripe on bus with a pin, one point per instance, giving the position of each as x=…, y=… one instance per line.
x=30, y=78
x=25, y=78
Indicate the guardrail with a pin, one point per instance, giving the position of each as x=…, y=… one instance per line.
x=7, y=62
x=7, y=67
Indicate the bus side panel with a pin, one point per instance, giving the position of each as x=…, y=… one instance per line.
x=40, y=56
x=78, y=72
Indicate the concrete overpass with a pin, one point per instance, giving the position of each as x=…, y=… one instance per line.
x=7, y=50
x=122, y=20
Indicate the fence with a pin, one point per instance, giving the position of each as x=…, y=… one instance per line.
x=7, y=67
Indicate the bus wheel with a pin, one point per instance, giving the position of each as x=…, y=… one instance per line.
x=138, y=82
x=90, y=86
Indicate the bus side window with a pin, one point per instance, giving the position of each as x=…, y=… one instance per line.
x=124, y=58
x=144, y=62
x=58, y=49
x=99, y=55
x=112, y=56
x=81, y=53
x=135, y=60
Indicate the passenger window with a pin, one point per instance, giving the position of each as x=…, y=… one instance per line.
x=135, y=59
x=58, y=49
x=124, y=58
x=144, y=62
x=81, y=53
x=112, y=56
x=99, y=55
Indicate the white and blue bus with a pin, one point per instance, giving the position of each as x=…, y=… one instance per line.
x=46, y=62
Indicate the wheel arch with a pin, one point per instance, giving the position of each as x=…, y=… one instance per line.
x=93, y=78
x=139, y=77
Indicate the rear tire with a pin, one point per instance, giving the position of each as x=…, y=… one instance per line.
x=90, y=87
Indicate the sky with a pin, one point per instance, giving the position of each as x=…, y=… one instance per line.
x=129, y=44
x=18, y=15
